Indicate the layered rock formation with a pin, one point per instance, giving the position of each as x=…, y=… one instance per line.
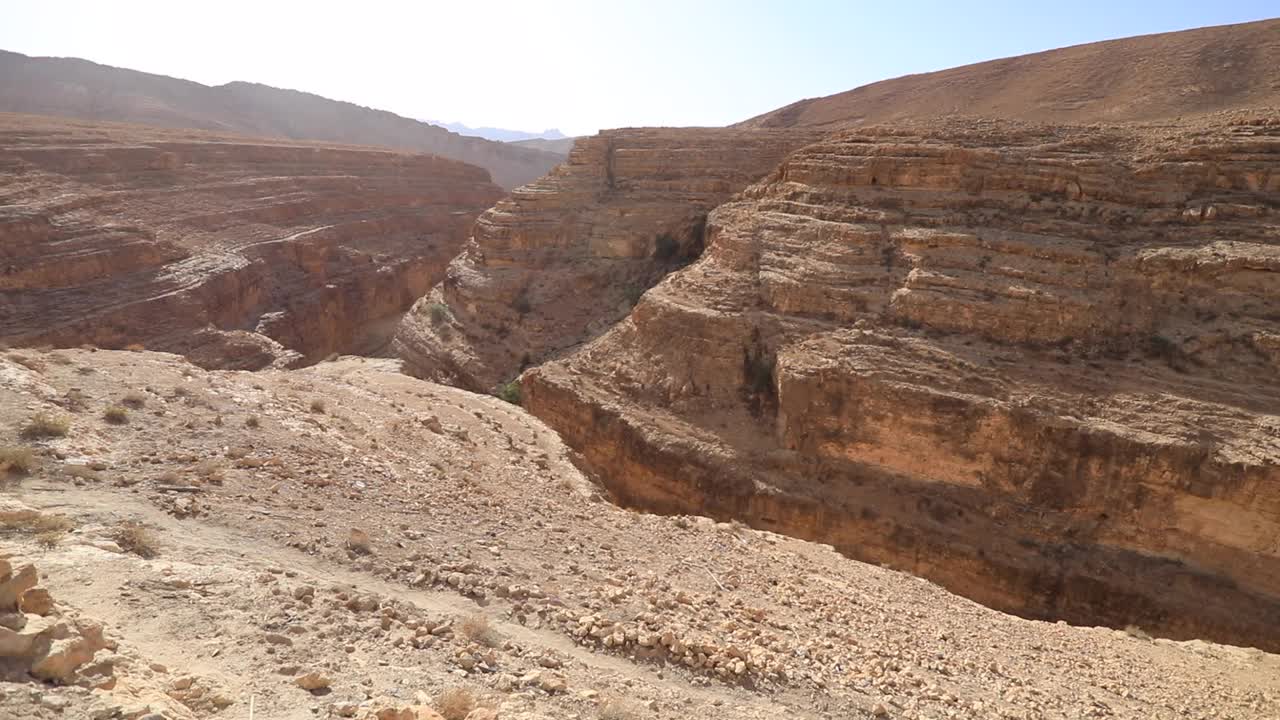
x=236, y=252
x=1037, y=365
x=74, y=88
x=562, y=259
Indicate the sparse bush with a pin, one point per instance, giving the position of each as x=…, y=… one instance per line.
x=521, y=303
x=439, y=313
x=135, y=347
x=476, y=629
x=134, y=537
x=59, y=359
x=46, y=527
x=511, y=392
x=30, y=363
x=359, y=542
x=455, y=703
x=665, y=247
x=82, y=472
x=317, y=406
x=134, y=400
x=1134, y=631
x=252, y=422
x=614, y=709
x=16, y=459
x=45, y=425
x=116, y=415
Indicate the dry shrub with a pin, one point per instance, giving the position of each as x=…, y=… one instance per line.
x=116, y=415
x=83, y=472
x=476, y=629
x=614, y=709
x=48, y=529
x=253, y=423
x=45, y=425
x=210, y=471
x=135, y=347
x=59, y=359
x=134, y=537
x=455, y=703
x=134, y=400
x=317, y=406
x=30, y=363
x=1134, y=631
x=16, y=459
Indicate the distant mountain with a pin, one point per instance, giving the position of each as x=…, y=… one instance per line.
x=77, y=88
x=1150, y=77
x=499, y=134
x=560, y=147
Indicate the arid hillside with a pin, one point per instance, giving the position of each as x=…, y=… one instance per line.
x=1037, y=364
x=238, y=252
x=75, y=88
x=347, y=541
x=1152, y=77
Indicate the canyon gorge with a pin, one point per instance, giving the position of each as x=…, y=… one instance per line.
x=951, y=396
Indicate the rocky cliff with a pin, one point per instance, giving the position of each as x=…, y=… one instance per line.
x=562, y=259
x=1038, y=365
x=234, y=251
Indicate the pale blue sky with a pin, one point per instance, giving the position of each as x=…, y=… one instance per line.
x=576, y=64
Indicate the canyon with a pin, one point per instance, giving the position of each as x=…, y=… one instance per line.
x=560, y=260
x=235, y=252
x=1035, y=364
x=865, y=407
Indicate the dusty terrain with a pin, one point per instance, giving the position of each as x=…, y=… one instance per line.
x=1151, y=77
x=74, y=88
x=399, y=539
x=239, y=252
x=1035, y=364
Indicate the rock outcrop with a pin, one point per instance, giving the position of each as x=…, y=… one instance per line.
x=1037, y=365
x=562, y=259
x=236, y=252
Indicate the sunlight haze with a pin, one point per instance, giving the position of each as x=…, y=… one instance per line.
x=573, y=65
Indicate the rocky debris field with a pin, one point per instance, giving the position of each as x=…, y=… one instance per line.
x=347, y=541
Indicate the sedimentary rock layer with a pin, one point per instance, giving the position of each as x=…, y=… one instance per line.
x=237, y=252
x=562, y=259
x=1037, y=365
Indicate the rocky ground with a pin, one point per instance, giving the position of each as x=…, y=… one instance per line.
x=347, y=541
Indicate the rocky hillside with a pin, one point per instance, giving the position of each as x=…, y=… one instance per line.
x=1038, y=365
x=75, y=88
x=1150, y=77
x=344, y=541
x=237, y=252
x=561, y=260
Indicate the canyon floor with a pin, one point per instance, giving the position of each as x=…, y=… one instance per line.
x=403, y=548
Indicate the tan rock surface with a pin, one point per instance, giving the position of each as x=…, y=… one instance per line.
x=239, y=252
x=1029, y=363
x=563, y=258
x=489, y=545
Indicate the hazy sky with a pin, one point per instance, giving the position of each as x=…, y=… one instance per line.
x=577, y=65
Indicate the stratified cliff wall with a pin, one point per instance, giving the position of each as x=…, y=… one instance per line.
x=1037, y=365
x=234, y=251
x=565, y=257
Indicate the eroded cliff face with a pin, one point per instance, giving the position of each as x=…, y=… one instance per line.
x=564, y=258
x=236, y=252
x=1036, y=365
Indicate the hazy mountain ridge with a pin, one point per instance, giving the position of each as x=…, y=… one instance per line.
x=82, y=89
